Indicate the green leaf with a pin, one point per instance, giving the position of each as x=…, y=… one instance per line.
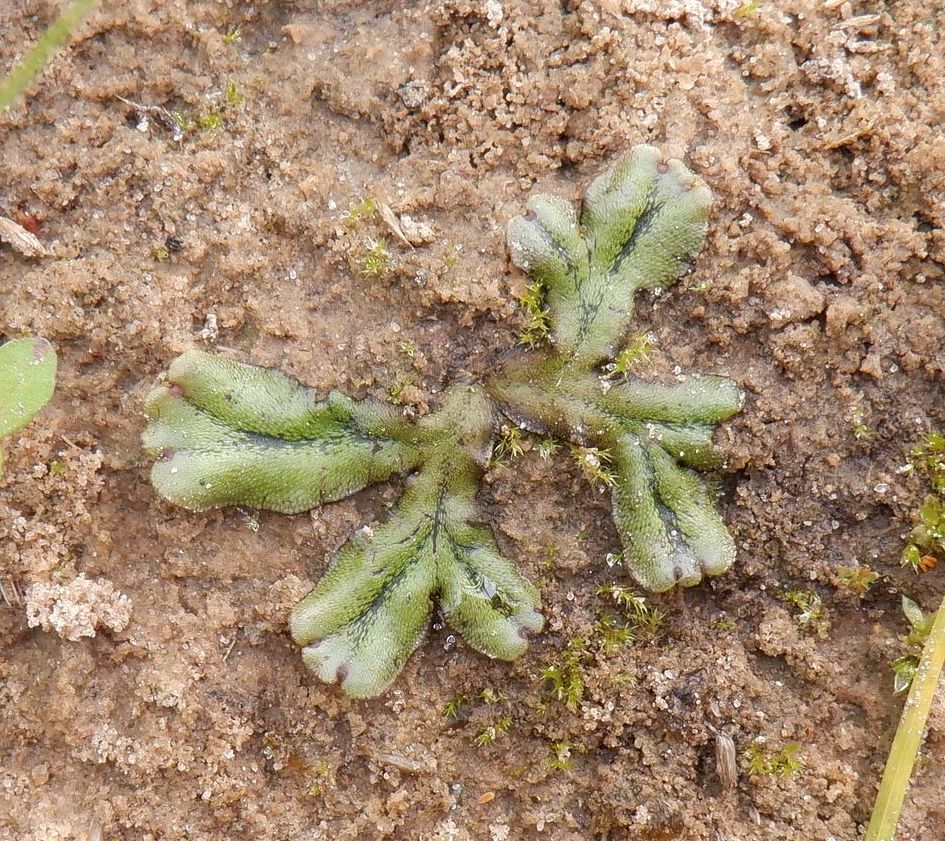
x=226, y=433
x=27, y=381
x=914, y=613
x=641, y=224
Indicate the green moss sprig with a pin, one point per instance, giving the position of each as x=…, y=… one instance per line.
x=765, y=762
x=926, y=544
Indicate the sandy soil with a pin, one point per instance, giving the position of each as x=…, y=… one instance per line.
x=188, y=714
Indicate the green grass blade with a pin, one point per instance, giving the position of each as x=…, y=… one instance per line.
x=37, y=58
x=908, y=739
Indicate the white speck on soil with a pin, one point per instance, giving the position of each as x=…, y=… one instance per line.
x=77, y=609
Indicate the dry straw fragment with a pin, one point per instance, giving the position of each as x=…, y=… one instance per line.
x=725, y=764
x=21, y=239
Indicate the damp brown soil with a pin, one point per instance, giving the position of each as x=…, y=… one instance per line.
x=818, y=127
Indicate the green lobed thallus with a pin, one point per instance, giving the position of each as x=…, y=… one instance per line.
x=227, y=433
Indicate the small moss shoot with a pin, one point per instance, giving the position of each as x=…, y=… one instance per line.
x=565, y=678
x=376, y=259
x=359, y=212
x=184, y=123
x=858, y=426
x=926, y=544
x=920, y=625
x=641, y=617
x=397, y=393
x=747, y=10
x=493, y=731
x=637, y=351
x=547, y=447
x=611, y=633
x=498, y=720
x=928, y=458
x=537, y=320
x=209, y=120
x=232, y=95
x=857, y=579
x=811, y=613
x=451, y=257
x=490, y=696
x=322, y=778
x=561, y=755
x=452, y=708
x=767, y=762
x=724, y=624
x=595, y=464
x=511, y=445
